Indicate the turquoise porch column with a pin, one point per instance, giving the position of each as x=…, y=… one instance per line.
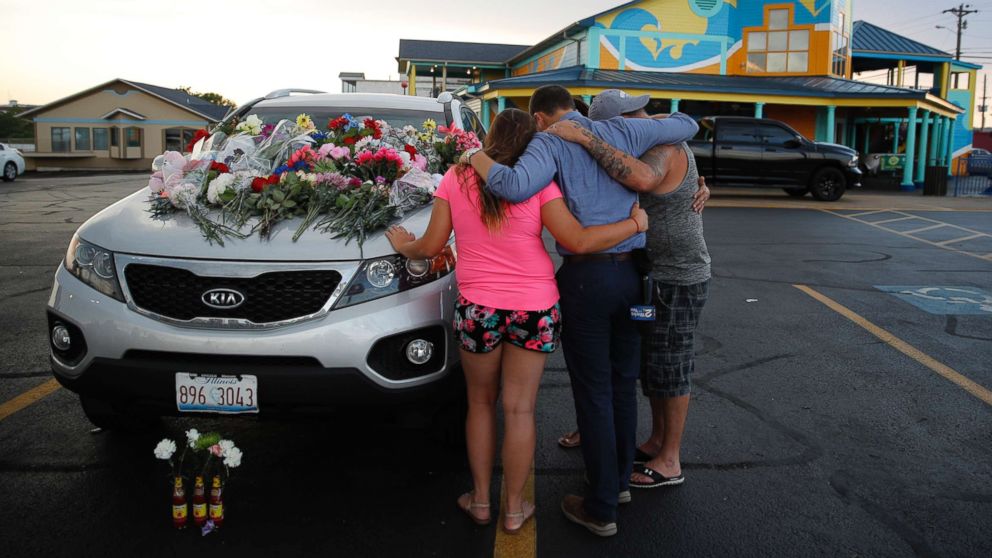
x=907, y=169
x=865, y=145
x=500, y=104
x=895, y=136
x=921, y=155
x=486, y=116
x=938, y=137
x=831, y=123
x=759, y=110
x=949, y=145
x=587, y=99
x=675, y=105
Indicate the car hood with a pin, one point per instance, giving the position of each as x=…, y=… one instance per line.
x=127, y=227
x=824, y=147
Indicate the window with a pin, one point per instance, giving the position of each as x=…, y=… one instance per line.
x=82, y=139
x=60, y=139
x=114, y=137
x=472, y=122
x=778, y=19
x=775, y=135
x=778, y=49
x=132, y=137
x=99, y=139
x=174, y=140
x=841, y=42
x=734, y=132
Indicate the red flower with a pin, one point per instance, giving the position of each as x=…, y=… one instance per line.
x=336, y=123
x=200, y=134
x=257, y=184
x=349, y=141
x=219, y=167
x=410, y=149
x=273, y=179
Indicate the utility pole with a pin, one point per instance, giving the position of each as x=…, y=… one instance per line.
x=960, y=12
x=985, y=96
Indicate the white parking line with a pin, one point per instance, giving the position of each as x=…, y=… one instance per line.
x=930, y=228
x=893, y=220
x=962, y=239
x=945, y=244
x=867, y=213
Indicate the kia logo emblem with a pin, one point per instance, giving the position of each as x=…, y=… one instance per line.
x=223, y=299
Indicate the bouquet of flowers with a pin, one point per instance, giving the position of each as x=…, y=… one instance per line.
x=351, y=178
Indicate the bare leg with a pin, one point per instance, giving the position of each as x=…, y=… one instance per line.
x=653, y=445
x=482, y=373
x=674, y=412
x=522, y=371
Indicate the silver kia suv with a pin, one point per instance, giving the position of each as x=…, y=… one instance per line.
x=147, y=318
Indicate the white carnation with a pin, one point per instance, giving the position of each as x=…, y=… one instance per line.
x=218, y=186
x=232, y=457
x=225, y=446
x=251, y=125
x=409, y=131
x=192, y=436
x=184, y=195
x=165, y=449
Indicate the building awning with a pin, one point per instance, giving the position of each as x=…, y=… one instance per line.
x=805, y=90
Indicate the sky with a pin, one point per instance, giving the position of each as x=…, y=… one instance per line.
x=243, y=49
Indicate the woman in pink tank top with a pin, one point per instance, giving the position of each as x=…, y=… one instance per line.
x=507, y=318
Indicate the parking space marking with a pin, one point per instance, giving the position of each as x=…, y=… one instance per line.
x=912, y=352
x=970, y=234
x=524, y=543
x=863, y=213
x=893, y=220
x=28, y=398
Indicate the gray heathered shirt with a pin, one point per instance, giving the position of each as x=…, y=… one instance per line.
x=675, y=241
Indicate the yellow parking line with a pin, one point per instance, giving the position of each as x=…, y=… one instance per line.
x=919, y=356
x=27, y=398
x=524, y=543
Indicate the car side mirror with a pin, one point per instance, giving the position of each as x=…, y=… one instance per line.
x=793, y=144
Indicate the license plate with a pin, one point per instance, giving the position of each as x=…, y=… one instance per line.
x=211, y=393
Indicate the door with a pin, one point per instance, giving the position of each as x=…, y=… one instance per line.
x=785, y=158
x=738, y=154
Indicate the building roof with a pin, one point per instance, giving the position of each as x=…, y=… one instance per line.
x=803, y=86
x=196, y=105
x=869, y=38
x=351, y=75
x=450, y=51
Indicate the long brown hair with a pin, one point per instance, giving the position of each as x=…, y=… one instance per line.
x=512, y=130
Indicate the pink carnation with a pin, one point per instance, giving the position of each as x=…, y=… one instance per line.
x=333, y=151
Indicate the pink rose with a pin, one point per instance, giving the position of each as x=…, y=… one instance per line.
x=216, y=450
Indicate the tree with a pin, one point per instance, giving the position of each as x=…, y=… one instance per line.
x=12, y=126
x=215, y=98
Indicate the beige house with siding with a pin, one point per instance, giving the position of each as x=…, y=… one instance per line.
x=117, y=125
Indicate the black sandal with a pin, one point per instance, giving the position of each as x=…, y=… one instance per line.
x=657, y=479
x=641, y=457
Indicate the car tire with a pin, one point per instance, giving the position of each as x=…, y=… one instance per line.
x=103, y=414
x=796, y=193
x=828, y=184
x=9, y=172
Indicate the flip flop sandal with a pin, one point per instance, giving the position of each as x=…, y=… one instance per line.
x=524, y=516
x=641, y=457
x=657, y=479
x=570, y=440
x=466, y=503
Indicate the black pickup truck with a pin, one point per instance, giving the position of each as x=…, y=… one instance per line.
x=758, y=152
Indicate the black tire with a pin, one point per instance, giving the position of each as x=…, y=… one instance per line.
x=103, y=414
x=795, y=193
x=828, y=184
x=9, y=172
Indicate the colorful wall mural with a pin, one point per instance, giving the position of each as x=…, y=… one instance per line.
x=723, y=36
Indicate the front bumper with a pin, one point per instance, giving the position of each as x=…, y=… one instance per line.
x=853, y=176
x=131, y=355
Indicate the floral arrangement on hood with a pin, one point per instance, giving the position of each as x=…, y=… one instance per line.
x=249, y=175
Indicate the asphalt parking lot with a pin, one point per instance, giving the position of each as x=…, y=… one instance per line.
x=841, y=407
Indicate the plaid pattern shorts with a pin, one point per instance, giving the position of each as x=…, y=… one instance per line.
x=668, y=353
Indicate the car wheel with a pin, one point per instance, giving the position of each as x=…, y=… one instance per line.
x=103, y=414
x=9, y=172
x=795, y=193
x=828, y=184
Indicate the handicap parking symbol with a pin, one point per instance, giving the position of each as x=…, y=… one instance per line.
x=953, y=301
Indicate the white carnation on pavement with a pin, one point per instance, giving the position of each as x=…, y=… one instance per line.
x=232, y=457
x=165, y=449
x=225, y=446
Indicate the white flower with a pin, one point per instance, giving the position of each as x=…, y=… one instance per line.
x=225, y=446
x=184, y=195
x=218, y=186
x=251, y=125
x=232, y=457
x=192, y=436
x=409, y=131
x=165, y=449
x=367, y=141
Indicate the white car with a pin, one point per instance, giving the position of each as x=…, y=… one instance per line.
x=11, y=162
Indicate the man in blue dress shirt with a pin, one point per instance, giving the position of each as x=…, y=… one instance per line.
x=600, y=340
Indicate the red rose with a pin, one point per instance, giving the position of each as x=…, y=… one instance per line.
x=273, y=179
x=257, y=184
x=349, y=141
x=410, y=149
x=219, y=167
x=200, y=134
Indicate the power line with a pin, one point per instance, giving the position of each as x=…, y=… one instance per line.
x=960, y=12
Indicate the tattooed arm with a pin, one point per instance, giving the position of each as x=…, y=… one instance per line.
x=623, y=167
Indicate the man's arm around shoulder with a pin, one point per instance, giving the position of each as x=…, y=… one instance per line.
x=534, y=170
x=645, y=133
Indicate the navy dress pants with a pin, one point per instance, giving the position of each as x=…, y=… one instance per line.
x=602, y=351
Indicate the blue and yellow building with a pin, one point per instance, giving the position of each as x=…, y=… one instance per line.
x=789, y=60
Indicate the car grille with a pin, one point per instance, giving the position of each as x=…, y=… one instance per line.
x=270, y=297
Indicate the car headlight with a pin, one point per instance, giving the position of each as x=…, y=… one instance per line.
x=394, y=274
x=94, y=266
x=854, y=161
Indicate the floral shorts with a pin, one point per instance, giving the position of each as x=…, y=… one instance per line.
x=480, y=329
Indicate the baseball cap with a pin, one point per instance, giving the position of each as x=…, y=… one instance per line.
x=613, y=102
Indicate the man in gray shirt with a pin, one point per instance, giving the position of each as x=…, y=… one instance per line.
x=680, y=270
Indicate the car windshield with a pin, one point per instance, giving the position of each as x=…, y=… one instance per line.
x=396, y=118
